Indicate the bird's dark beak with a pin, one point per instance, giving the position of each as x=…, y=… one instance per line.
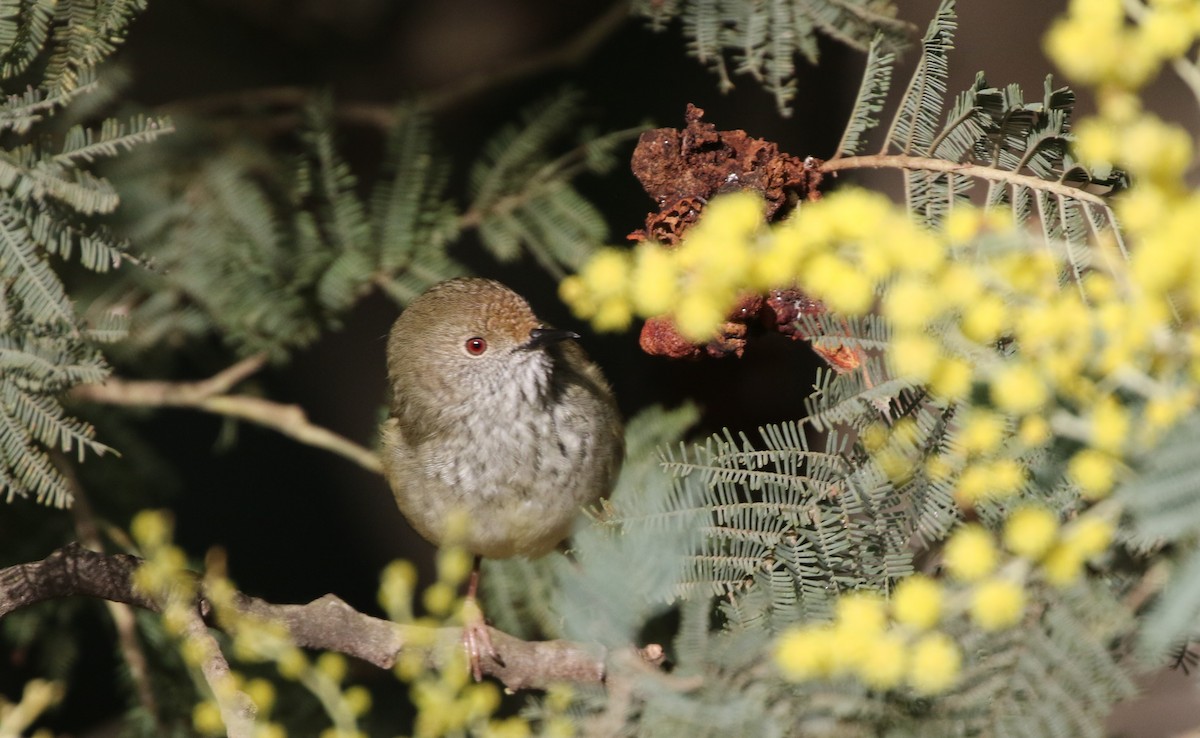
x=541, y=337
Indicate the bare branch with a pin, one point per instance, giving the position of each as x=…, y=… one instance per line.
x=237, y=709
x=327, y=623
x=210, y=396
x=384, y=115
x=121, y=613
x=573, y=51
x=927, y=164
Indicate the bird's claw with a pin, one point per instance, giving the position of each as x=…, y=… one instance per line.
x=477, y=639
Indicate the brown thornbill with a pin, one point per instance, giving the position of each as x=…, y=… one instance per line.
x=497, y=420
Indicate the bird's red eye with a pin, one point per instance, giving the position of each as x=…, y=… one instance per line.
x=476, y=346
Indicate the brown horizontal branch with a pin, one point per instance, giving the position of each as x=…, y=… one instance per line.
x=327, y=623
x=928, y=164
x=210, y=395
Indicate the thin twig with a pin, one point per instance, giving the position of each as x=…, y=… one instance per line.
x=327, y=623
x=564, y=168
x=210, y=395
x=385, y=115
x=927, y=164
x=238, y=711
x=574, y=51
x=121, y=613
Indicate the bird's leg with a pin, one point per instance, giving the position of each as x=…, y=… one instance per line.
x=476, y=638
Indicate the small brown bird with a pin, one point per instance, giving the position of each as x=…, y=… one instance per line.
x=498, y=418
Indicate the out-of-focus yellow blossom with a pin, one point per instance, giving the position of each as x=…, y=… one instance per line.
x=1096, y=141
x=397, y=583
x=842, y=287
x=911, y=304
x=480, y=699
x=613, y=315
x=1030, y=531
x=874, y=437
x=860, y=621
x=558, y=726
x=864, y=612
x=292, y=663
x=917, y=602
x=1032, y=275
x=982, y=432
x=1142, y=207
x=896, y=465
x=914, y=356
x=990, y=480
x=951, y=378
x=1018, y=388
x=151, y=528
x=1094, y=471
x=655, y=285
x=912, y=249
x=970, y=554
x=985, y=319
x=262, y=693
x=997, y=604
x=934, y=664
x=938, y=468
x=1167, y=31
x=697, y=316
x=439, y=598
x=962, y=224
x=804, y=653
x=1110, y=424
x=851, y=648
x=206, y=718
x=1062, y=565
x=269, y=730
x=453, y=564
x=1163, y=412
x=973, y=485
x=887, y=663
x=512, y=727
x=1090, y=535
x=960, y=287
x=332, y=665
x=1156, y=150
x=1033, y=431
x=606, y=273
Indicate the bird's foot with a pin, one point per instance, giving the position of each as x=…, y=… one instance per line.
x=477, y=639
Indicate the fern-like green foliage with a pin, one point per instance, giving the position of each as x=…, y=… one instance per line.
x=1019, y=148
x=1053, y=680
x=781, y=525
x=522, y=198
x=872, y=94
x=49, y=198
x=267, y=252
x=1163, y=501
x=763, y=39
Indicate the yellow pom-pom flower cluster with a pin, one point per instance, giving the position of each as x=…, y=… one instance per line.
x=164, y=576
x=1095, y=44
x=845, y=247
x=949, y=298
x=894, y=645
x=447, y=701
x=885, y=645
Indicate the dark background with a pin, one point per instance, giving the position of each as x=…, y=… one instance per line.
x=298, y=522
